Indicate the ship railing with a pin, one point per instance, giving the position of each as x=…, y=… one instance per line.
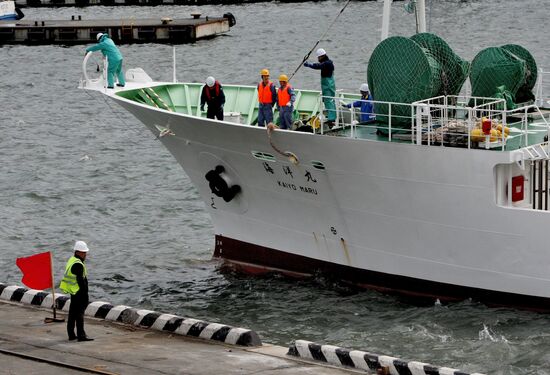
x=411, y=122
x=96, y=82
x=439, y=121
x=451, y=120
x=466, y=113
x=543, y=78
x=347, y=118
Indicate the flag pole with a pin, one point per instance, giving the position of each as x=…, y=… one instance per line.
x=54, y=320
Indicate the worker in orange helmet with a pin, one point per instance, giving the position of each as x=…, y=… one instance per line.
x=285, y=102
x=267, y=97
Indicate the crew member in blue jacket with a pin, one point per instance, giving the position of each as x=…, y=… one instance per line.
x=365, y=103
x=328, y=85
x=114, y=59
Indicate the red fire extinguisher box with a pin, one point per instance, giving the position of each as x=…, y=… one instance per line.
x=517, y=188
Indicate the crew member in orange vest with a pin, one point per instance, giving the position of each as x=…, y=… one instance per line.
x=213, y=96
x=285, y=102
x=267, y=97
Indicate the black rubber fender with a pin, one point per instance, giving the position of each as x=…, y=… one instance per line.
x=231, y=18
x=219, y=186
x=20, y=14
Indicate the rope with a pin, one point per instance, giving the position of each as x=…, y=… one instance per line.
x=166, y=106
x=149, y=97
x=319, y=41
x=290, y=155
x=118, y=116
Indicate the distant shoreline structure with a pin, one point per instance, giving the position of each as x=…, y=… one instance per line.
x=82, y=3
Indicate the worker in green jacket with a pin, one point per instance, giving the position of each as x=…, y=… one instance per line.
x=75, y=283
x=114, y=59
x=328, y=85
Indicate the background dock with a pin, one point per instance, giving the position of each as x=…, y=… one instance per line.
x=122, y=31
x=82, y=3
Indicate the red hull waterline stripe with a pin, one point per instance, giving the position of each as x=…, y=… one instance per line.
x=365, y=360
x=141, y=318
x=251, y=258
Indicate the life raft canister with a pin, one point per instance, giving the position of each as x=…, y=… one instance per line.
x=219, y=186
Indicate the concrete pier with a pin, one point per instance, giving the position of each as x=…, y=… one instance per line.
x=123, y=349
x=242, y=339
x=122, y=31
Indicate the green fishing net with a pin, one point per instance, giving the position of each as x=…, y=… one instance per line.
x=495, y=67
x=525, y=92
x=405, y=70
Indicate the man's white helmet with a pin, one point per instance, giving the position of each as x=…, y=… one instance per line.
x=81, y=246
x=364, y=87
x=210, y=81
x=99, y=35
x=321, y=52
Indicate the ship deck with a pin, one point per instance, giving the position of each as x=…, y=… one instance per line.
x=536, y=132
x=527, y=125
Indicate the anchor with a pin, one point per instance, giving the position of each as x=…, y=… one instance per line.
x=220, y=185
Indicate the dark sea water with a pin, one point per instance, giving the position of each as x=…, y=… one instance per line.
x=75, y=167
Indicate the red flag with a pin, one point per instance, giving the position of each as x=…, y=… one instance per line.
x=37, y=270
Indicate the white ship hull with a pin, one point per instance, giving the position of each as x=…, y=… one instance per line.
x=413, y=219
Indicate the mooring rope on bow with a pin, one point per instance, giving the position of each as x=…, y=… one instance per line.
x=166, y=106
x=118, y=116
x=319, y=41
x=290, y=155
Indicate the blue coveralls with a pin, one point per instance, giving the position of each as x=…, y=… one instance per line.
x=328, y=85
x=114, y=60
x=265, y=111
x=285, y=112
x=366, y=113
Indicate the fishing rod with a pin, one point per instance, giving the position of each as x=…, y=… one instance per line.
x=319, y=41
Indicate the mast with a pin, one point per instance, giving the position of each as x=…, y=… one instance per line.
x=386, y=19
x=420, y=11
x=420, y=16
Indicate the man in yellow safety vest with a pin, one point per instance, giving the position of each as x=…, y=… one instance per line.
x=75, y=282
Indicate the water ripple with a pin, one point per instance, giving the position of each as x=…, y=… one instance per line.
x=73, y=167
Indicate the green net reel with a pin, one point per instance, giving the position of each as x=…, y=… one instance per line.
x=496, y=71
x=454, y=70
x=525, y=92
x=405, y=70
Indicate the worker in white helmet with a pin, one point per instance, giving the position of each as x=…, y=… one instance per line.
x=328, y=85
x=212, y=95
x=365, y=103
x=75, y=283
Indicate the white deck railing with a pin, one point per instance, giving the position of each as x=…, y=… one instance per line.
x=441, y=121
x=543, y=78
x=101, y=80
